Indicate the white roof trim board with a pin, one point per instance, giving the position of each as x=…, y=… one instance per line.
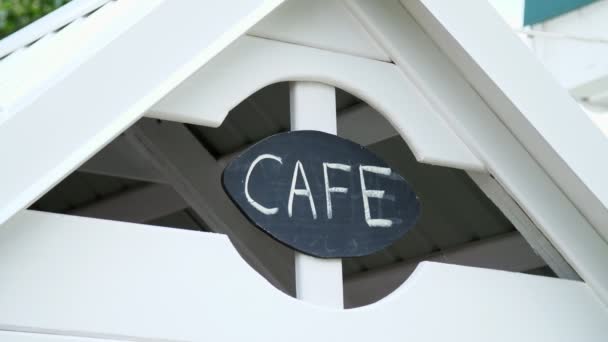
x=132, y=70
x=126, y=72
x=538, y=111
x=47, y=24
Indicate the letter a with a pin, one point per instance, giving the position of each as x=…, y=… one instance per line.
x=300, y=192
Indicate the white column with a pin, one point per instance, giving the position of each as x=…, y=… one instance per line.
x=313, y=107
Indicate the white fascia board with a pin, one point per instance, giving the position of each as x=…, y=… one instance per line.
x=47, y=24
x=59, y=130
x=541, y=114
x=23, y=77
x=89, y=278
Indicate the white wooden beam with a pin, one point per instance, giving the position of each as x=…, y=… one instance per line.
x=541, y=116
x=48, y=24
x=196, y=176
x=507, y=252
x=538, y=111
x=138, y=205
x=313, y=107
x=81, y=277
x=524, y=225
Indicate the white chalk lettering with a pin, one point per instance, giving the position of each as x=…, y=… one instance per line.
x=261, y=208
x=373, y=222
x=300, y=192
x=328, y=189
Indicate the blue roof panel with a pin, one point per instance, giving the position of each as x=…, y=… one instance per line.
x=537, y=11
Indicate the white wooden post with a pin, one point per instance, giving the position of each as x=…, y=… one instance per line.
x=313, y=107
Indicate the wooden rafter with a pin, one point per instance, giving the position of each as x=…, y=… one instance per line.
x=195, y=175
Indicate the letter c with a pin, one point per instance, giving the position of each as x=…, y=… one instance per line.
x=261, y=208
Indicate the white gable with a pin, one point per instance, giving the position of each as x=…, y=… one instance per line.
x=464, y=67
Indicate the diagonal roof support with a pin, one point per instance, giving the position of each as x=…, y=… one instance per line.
x=196, y=176
x=119, y=159
x=524, y=225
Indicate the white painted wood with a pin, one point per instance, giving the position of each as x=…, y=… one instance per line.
x=26, y=79
x=322, y=24
x=195, y=175
x=206, y=97
x=47, y=24
x=526, y=182
x=119, y=159
x=153, y=67
x=313, y=107
x=75, y=276
x=541, y=114
x=524, y=225
x=506, y=252
x=13, y=65
x=319, y=281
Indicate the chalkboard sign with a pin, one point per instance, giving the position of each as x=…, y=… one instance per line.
x=321, y=195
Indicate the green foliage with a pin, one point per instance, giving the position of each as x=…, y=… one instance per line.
x=15, y=14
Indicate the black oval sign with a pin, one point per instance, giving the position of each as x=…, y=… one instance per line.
x=320, y=194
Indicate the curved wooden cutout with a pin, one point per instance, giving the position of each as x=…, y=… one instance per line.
x=250, y=64
x=66, y=275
